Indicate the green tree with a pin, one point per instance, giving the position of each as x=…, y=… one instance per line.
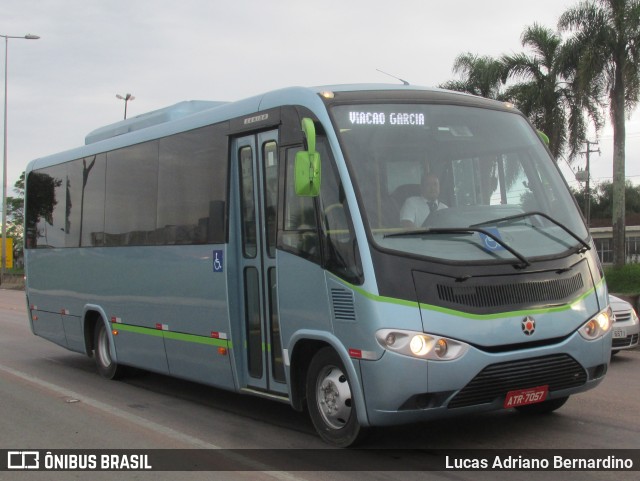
x=15, y=218
x=605, y=48
x=479, y=75
x=546, y=94
x=602, y=199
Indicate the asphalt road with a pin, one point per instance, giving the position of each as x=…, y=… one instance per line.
x=51, y=398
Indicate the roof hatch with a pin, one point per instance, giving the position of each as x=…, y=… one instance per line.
x=156, y=117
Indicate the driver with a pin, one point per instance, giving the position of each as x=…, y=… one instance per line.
x=415, y=210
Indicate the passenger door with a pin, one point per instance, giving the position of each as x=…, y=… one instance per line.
x=256, y=158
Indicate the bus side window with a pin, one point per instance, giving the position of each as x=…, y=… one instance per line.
x=341, y=254
x=300, y=233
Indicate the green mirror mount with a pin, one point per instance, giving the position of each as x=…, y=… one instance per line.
x=309, y=130
x=307, y=164
x=544, y=137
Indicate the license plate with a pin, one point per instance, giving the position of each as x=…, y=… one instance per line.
x=522, y=397
x=619, y=333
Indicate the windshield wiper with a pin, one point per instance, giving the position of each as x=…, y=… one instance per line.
x=462, y=230
x=541, y=214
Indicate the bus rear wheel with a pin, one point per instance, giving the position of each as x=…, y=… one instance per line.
x=330, y=402
x=106, y=366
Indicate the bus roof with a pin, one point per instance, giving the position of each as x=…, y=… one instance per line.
x=189, y=115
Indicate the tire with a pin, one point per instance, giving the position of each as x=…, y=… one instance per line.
x=544, y=407
x=330, y=402
x=106, y=366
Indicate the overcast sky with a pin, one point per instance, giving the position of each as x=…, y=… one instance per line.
x=64, y=85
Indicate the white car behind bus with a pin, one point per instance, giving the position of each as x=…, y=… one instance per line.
x=625, y=327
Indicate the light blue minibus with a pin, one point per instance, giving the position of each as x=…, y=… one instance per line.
x=264, y=246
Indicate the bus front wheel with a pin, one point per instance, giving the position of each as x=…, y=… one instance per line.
x=107, y=367
x=329, y=400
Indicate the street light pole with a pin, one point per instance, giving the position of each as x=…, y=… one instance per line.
x=127, y=98
x=4, y=158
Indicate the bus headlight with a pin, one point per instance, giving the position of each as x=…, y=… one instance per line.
x=421, y=345
x=597, y=326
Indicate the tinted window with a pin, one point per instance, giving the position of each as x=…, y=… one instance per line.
x=45, y=208
x=270, y=169
x=247, y=203
x=132, y=191
x=85, y=201
x=339, y=240
x=192, y=182
x=169, y=191
x=300, y=233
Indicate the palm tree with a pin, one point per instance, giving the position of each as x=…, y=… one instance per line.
x=480, y=76
x=606, y=53
x=546, y=93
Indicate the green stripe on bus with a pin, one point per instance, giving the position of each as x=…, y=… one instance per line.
x=178, y=336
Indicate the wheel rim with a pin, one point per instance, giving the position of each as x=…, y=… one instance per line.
x=333, y=396
x=102, y=349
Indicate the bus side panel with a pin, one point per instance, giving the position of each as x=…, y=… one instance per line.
x=144, y=292
x=53, y=279
x=73, y=332
x=49, y=326
x=141, y=350
x=301, y=306
x=199, y=362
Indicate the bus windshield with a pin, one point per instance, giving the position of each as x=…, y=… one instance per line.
x=457, y=183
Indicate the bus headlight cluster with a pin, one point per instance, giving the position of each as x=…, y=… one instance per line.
x=421, y=345
x=597, y=326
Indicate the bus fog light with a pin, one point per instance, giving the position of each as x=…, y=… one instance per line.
x=591, y=328
x=390, y=340
x=441, y=348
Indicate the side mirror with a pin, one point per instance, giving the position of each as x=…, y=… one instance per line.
x=307, y=164
x=544, y=137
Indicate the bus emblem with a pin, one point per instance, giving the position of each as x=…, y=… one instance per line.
x=528, y=325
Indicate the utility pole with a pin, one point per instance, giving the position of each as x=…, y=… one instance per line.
x=587, y=193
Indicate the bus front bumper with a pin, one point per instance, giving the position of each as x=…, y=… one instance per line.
x=399, y=389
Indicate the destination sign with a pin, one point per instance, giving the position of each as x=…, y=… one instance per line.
x=386, y=118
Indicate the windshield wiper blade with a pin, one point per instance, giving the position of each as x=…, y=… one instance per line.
x=541, y=214
x=462, y=230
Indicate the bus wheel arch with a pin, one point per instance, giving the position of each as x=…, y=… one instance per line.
x=99, y=345
x=91, y=319
x=330, y=400
x=303, y=353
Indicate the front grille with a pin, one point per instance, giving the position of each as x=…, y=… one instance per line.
x=621, y=316
x=558, y=371
x=546, y=292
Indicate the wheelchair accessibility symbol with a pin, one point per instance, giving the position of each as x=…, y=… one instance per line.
x=218, y=263
x=489, y=243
